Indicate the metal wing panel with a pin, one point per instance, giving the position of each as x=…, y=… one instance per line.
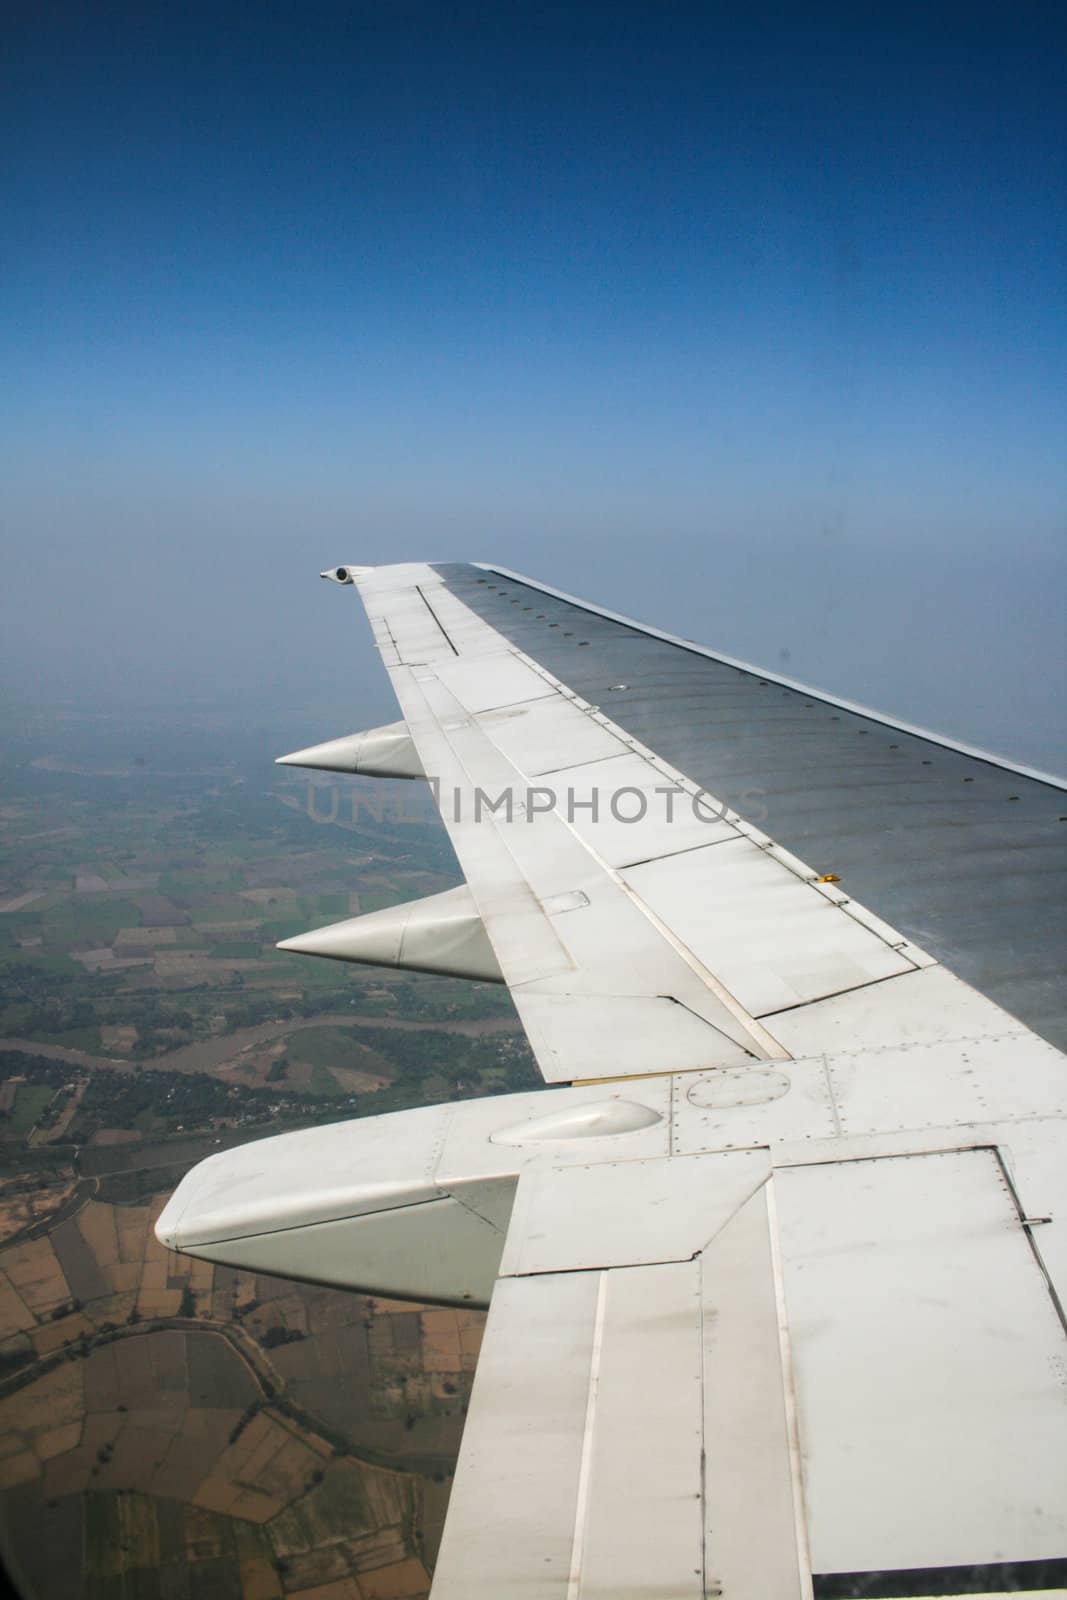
x=854, y=1370
x=487, y=681
x=629, y=810
x=700, y=940
x=929, y=1364
x=628, y=1213
x=528, y=875
x=638, y=1516
x=771, y=939
x=630, y=1431
x=512, y=1511
x=965, y=854
x=754, y=1522
x=549, y=1499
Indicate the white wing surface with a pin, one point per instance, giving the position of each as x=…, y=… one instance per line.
x=775, y=1264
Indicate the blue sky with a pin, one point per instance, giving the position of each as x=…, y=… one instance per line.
x=750, y=321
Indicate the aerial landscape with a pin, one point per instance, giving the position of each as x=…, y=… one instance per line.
x=167, y=1427
x=673, y=397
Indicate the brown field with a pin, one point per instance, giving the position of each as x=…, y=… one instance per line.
x=49, y=1336
x=15, y=1315
x=404, y=1581
x=354, y=1081
x=342, y=1589
x=141, y=1417
x=35, y=1275
x=97, y=1226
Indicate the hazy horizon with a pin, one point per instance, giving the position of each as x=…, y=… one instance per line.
x=751, y=327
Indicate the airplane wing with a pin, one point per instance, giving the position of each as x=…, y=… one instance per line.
x=775, y=1265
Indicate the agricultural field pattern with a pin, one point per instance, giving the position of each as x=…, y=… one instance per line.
x=170, y=1430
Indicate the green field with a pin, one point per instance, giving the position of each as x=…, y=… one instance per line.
x=325, y=1047
x=237, y=950
x=30, y=1101
x=219, y=845
x=323, y=1082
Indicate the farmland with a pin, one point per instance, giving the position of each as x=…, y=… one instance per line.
x=170, y=1428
